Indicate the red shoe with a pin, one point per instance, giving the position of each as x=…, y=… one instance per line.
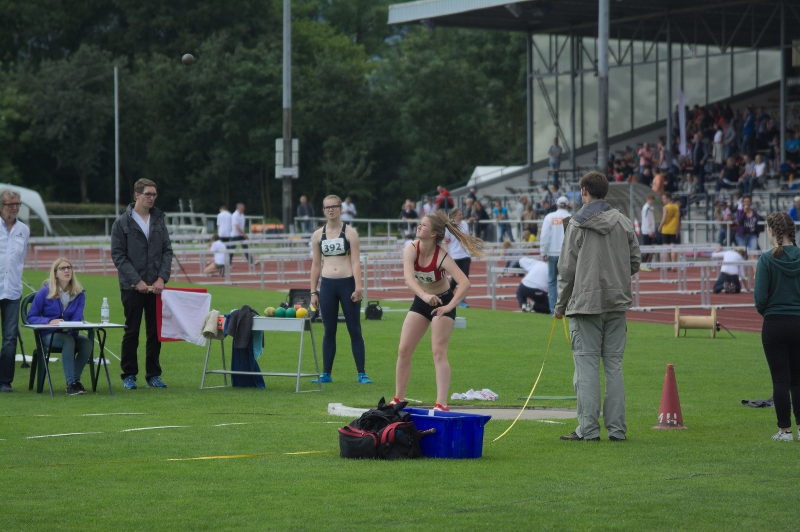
x=440, y=407
x=394, y=401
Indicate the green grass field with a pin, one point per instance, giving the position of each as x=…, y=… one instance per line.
x=284, y=472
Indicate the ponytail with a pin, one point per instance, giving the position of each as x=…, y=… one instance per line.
x=440, y=221
x=782, y=227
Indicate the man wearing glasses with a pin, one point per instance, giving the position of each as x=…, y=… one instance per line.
x=142, y=253
x=14, y=237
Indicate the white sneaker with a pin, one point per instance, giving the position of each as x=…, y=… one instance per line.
x=783, y=436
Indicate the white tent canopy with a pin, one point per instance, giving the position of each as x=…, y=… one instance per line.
x=31, y=201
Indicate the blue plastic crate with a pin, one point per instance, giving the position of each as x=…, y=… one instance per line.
x=458, y=435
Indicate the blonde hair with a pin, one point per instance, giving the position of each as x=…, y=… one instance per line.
x=781, y=225
x=440, y=221
x=73, y=288
x=331, y=196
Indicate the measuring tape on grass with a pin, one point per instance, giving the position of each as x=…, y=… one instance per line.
x=539, y=376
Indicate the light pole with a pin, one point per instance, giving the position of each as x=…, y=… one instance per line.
x=116, y=141
x=287, y=112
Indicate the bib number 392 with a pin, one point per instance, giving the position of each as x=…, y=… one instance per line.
x=333, y=246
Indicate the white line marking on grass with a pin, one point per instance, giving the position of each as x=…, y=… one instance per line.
x=226, y=424
x=118, y=414
x=59, y=435
x=162, y=427
x=548, y=421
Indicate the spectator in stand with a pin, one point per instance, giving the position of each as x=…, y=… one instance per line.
x=731, y=272
x=747, y=225
x=718, y=146
x=528, y=223
x=304, y=214
x=729, y=175
x=699, y=157
x=554, y=161
x=662, y=156
x=479, y=215
x=428, y=207
x=659, y=182
x=670, y=224
x=532, y=290
x=550, y=245
x=646, y=177
x=794, y=211
x=723, y=213
x=648, y=227
x=517, y=213
x=748, y=175
x=473, y=193
x=760, y=171
x=500, y=213
x=552, y=196
x=645, y=155
x=348, y=211
x=408, y=213
x=729, y=140
x=793, y=147
x=444, y=201
x=749, y=132
x=469, y=210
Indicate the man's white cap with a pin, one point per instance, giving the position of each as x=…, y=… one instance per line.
x=562, y=201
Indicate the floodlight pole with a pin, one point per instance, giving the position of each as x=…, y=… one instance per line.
x=602, y=86
x=287, y=112
x=116, y=141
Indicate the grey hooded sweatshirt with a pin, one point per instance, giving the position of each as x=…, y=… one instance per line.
x=599, y=255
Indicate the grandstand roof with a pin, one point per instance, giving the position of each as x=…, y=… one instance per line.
x=721, y=23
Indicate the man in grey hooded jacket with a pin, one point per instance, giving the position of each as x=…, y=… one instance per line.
x=599, y=255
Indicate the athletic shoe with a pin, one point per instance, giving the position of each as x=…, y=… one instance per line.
x=395, y=400
x=72, y=389
x=440, y=407
x=363, y=379
x=798, y=433
x=129, y=382
x=615, y=438
x=6, y=388
x=324, y=377
x=156, y=382
x=463, y=304
x=783, y=436
x=80, y=387
x=645, y=269
x=573, y=436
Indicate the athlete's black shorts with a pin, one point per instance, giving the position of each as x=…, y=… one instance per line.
x=421, y=307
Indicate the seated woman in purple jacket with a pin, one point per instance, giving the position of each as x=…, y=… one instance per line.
x=62, y=298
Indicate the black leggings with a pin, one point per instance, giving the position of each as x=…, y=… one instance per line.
x=779, y=338
x=332, y=292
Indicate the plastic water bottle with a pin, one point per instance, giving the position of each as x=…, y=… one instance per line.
x=104, y=312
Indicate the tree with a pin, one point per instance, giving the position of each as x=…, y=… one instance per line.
x=72, y=111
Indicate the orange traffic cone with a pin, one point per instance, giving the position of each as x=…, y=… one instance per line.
x=669, y=412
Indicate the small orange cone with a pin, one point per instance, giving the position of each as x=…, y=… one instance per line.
x=669, y=412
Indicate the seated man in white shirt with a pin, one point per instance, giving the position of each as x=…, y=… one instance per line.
x=532, y=291
x=732, y=271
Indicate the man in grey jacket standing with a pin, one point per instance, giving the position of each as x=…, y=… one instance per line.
x=599, y=255
x=142, y=253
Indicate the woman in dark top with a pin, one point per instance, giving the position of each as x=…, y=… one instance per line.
x=777, y=298
x=747, y=229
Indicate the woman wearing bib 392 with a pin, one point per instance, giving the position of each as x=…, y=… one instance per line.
x=336, y=258
x=425, y=265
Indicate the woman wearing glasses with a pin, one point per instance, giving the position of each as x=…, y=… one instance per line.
x=62, y=298
x=426, y=265
x=336, y=280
